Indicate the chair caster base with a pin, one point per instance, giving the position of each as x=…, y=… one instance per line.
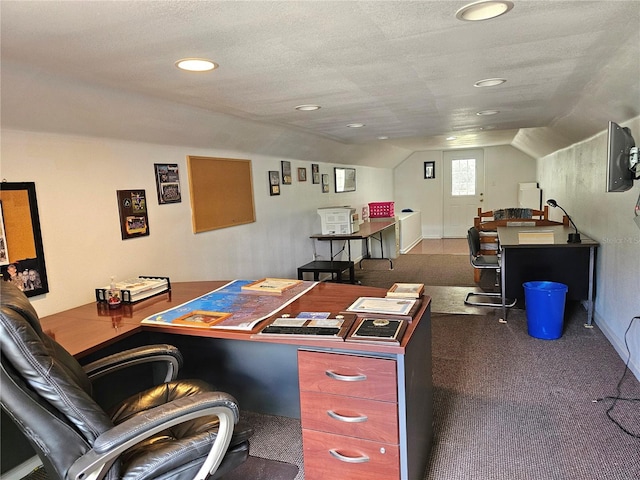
x=491, y=303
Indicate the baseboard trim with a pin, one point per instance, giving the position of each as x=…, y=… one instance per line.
x=617, y=343
x=406, y=249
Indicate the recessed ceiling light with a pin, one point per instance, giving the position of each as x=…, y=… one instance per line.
x=484, y=10
x=489, y=82
x=196, y=64
x=451, y=138
x=308, y=108
x=355, y=125
x=487, y=112
x=383, y=137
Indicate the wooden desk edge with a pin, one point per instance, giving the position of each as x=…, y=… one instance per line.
x=366, y=230
x=509, y=237
x=63, y=324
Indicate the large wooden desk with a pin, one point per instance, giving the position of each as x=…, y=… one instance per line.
x=570, y=263
x=264, y=375
x=368, y=230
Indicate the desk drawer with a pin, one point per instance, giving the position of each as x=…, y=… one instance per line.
x=350, y=375
x=332, y=457
x=350, y=416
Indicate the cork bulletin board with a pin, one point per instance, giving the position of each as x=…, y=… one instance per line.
x=221, y=191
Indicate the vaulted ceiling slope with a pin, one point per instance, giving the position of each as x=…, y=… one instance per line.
x=405, y=69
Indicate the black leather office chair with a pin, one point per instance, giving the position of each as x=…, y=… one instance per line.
x=178, y=430
x=484, y=262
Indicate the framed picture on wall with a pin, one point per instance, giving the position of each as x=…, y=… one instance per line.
x=429, y=169
x=23, y=256
x=132, y=206
x=345, y=179
x=167, y=183
x=4, y=252
x=315, y=173
x=325, y=183
x=286, y=172
x=302, y=174
x=274, y=182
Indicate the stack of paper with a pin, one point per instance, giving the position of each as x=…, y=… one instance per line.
x=136, y=289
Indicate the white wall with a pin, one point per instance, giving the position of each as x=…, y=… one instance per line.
x=576, y=178
x=505, y=167
x=76, y=180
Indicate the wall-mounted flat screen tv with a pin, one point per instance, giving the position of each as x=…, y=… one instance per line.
x=621, y=158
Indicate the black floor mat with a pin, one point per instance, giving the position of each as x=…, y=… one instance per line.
x=256, y=468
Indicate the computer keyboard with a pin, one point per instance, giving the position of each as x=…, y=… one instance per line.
x=281, y=330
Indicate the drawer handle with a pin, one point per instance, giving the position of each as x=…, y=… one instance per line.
x=342, y=458
x=342, y=418
x=346, y=378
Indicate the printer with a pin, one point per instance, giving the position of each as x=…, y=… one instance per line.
x=338, y=220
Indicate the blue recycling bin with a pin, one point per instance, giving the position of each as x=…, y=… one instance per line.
x=544, y=305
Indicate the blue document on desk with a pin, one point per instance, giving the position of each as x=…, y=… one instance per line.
x=229, y=307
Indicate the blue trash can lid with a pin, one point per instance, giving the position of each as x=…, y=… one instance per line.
x=546, y=286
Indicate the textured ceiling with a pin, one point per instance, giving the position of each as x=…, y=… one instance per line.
x=405, y=69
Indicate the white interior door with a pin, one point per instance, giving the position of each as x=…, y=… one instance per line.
x=463, y=190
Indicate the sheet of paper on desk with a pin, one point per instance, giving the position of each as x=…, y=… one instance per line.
x=536, y=237
x=390, y=306
x=245, y=310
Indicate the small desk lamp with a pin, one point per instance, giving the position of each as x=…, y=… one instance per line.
x=573, y=237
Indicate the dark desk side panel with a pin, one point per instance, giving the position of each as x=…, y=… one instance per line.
x=419, y=388
x=263, y=377
x=563, y=265
x=15, y=448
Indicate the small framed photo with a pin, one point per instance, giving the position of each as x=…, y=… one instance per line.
x=429, y=169
x=315, y=173
x=274, y=182
x=325, y=183
x=302, y=174
x=134, y=220
x=201, y=318
x=286, y=172
x=167, y=183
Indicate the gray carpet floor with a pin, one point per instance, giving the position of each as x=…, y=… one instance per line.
x=276, y=438
x=442, y=270
x=510, y=406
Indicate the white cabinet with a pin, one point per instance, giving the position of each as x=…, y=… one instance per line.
x=410, y=230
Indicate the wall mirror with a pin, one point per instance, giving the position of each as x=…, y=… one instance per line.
x=345, y=179
x=21, y=252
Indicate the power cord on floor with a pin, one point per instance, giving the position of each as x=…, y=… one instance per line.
x=617, y=397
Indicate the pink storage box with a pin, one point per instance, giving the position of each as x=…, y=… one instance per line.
x=381, y=209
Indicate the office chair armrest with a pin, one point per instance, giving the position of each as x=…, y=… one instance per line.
x=135, y=356
x=113, y=442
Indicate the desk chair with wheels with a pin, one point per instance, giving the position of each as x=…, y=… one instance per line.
x=484, y=262
x=181, y=429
